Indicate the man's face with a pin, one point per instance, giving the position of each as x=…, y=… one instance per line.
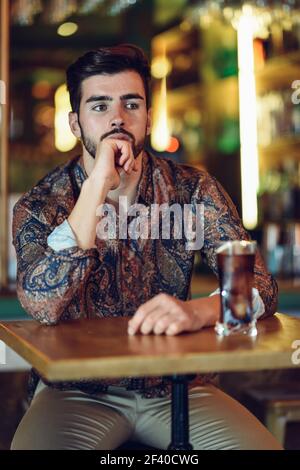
x=112, y=106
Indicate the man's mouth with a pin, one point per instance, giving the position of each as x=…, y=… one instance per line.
x=120, y=136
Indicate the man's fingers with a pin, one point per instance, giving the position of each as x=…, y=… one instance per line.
x=128, y=166
x=135, y=323
x=178, y=326
x=122, y=152
x=125, y=153
x=126, y=158
x=161, y=304
x=157, y=317
x=164, y=323
x=173, y=322
x=141, y=313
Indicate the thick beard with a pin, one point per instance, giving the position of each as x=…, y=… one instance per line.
x=91, y=146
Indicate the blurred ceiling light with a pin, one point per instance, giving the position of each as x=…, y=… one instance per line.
x=266, y=12
x=57, y=11
x=64, y=139
x=248, y=119
x=67, y=29
x=173, y=145
x=41, y=89
x=160, y=135
x=24, y=11
x=89, y=5
x=160, y=67
x=117, y=6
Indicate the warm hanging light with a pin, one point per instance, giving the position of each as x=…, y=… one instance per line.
x=160, y=136
x=64, y=139
x=248, y=119
x=160, y=67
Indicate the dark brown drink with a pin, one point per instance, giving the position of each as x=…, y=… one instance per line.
x=236, y=281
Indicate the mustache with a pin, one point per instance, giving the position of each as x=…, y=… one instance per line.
x=118, y=131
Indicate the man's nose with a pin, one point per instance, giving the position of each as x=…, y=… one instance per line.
x=117, y=122
x=117, y=119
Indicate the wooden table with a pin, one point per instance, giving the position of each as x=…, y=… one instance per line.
x=101, y=348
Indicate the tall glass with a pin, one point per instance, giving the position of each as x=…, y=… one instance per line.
x=236, y=261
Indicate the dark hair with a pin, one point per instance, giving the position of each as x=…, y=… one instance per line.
x=107, y=61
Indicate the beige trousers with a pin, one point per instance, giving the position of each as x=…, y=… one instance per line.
x=74, y=420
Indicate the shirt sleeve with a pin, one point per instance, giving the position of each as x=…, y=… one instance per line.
x=222, y=223
x=48, y=281
x=62, y=237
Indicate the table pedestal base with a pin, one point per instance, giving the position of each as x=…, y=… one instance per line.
x=180, y=413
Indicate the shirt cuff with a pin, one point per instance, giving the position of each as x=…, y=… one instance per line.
x=257, y=302
x=62, y=237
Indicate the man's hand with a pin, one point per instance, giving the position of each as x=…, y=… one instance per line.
x=171, y=316
x=113, y=157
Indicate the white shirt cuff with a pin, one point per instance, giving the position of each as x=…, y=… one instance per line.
x=257, y=302
x=62, y=237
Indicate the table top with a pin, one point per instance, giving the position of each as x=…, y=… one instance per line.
x=100, y=348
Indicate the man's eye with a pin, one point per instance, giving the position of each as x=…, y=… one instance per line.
x=132, y=106
x=100, y=107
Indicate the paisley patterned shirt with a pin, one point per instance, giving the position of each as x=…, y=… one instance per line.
x=118, y=275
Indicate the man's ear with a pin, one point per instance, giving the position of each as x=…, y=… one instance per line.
x=74, y=126
x=149, y=121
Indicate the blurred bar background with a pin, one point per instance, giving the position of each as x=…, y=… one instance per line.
x=225, y=98
x=226, y=94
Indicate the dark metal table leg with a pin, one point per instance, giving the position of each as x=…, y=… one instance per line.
x=180, y=413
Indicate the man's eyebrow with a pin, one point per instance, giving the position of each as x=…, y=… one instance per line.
x=131, y=96
x=128, y=96
x=98, y=98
